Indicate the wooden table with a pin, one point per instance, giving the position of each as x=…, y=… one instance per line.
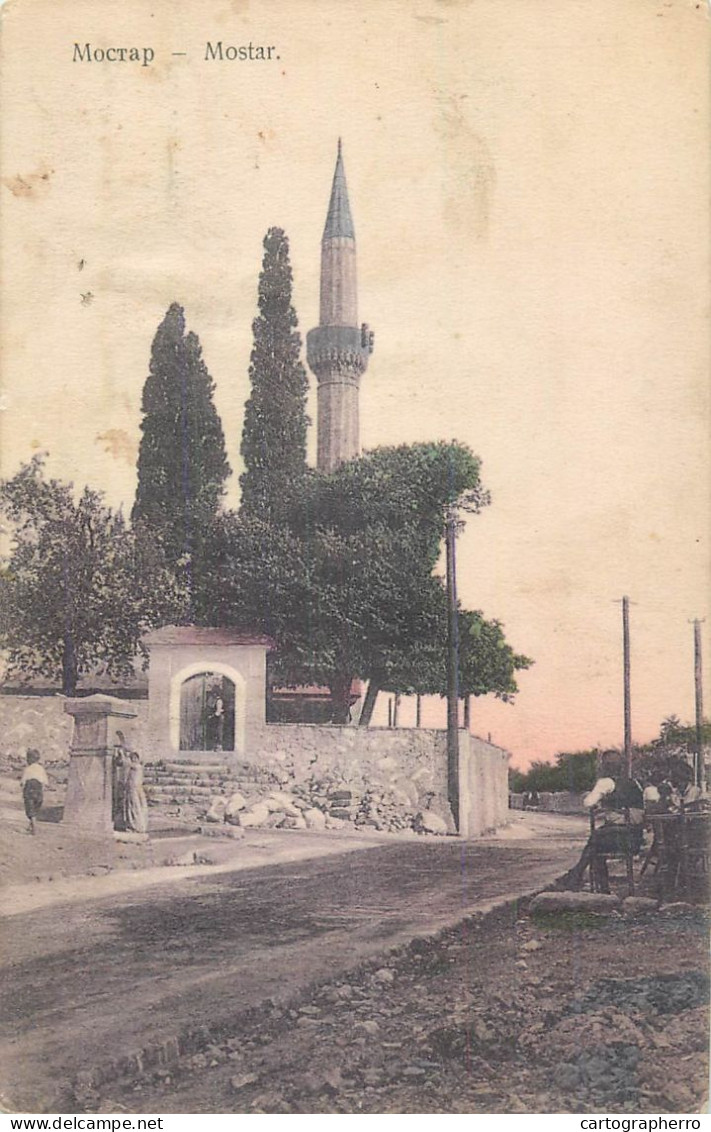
x=679, y=849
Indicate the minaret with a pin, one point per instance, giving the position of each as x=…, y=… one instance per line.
x=337, y=350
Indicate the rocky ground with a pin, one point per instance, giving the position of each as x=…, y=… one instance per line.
x=505, y=1013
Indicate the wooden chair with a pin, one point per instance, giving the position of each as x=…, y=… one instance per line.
x=627, y=854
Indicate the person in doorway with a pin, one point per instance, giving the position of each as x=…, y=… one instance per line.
x=135, y=808
x=619, y=802
x=219, y=713
x=33, y=781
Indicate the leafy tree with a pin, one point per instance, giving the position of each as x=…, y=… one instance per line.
x=275, y=421
x=574, y=771
x=346, y=584
x=374, y=529
x=78, y=589
x=517, y=780
x=487, y=663
x=182, y=466
x=677, y=738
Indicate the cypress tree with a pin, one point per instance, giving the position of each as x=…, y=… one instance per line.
x=275, y=420
x=182, y=466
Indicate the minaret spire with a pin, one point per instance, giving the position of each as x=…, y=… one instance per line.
x=338, y=220
x=338, y=349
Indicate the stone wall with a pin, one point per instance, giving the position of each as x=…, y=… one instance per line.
x=386, y=771
x=41, y=722
x=560, y=802
x=483, y=786
x=381, y=767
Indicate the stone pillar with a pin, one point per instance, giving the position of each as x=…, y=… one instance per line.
x=96, y=720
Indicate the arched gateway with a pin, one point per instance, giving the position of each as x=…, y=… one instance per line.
x=206, y=691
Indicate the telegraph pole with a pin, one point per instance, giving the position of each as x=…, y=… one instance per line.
x=626, y=662
x=626, y=683
x=699, y=704
x=396, y=710
x=452, y=668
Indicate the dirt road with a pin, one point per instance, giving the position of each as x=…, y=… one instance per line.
x=90, y=980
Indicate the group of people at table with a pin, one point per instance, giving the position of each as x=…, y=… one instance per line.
x=621, y=807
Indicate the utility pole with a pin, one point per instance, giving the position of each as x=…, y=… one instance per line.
x=418, y=710
x=396, y=710
x=452, y=669
x=467, y=712
x=699, y=705
x=626, y=663
x=626, y=679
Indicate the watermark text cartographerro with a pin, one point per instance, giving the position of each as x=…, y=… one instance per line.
x=634, y=1123
x=214, y=51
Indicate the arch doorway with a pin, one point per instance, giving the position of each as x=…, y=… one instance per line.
x=207, y=713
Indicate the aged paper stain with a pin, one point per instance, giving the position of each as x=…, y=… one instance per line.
x=29, y=184
x=118, y=444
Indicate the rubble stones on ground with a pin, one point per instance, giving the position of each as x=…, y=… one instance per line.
x=379, y=797
x=297, y=822
x=236, y=802
x=639, y=905
x=217, y=809
x=678, y=908
x=427, y=821
x=506, y=1045
x=257, y=815
x=191, y=858
x=314, y=818
x=242, y=1081
x=279, y=802
x=233, y=832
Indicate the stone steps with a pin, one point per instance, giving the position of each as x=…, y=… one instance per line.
x=186, y=767
x=194, y=791
x=187, y=780
x=191, y=785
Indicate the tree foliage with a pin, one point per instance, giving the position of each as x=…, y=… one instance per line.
x=487, y=663
x=677, y=738
x=182, y=466
x=575, y=771
x=275, y=421
x=345, y=582
x=78, y=589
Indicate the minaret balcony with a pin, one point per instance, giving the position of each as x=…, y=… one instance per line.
x=337, y=349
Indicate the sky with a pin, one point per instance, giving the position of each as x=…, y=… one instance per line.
x=529, y=188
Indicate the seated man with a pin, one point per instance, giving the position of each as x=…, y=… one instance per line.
x=619, y=801
x=684, y=792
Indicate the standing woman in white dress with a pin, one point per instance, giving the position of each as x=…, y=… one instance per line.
x=135, y=804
